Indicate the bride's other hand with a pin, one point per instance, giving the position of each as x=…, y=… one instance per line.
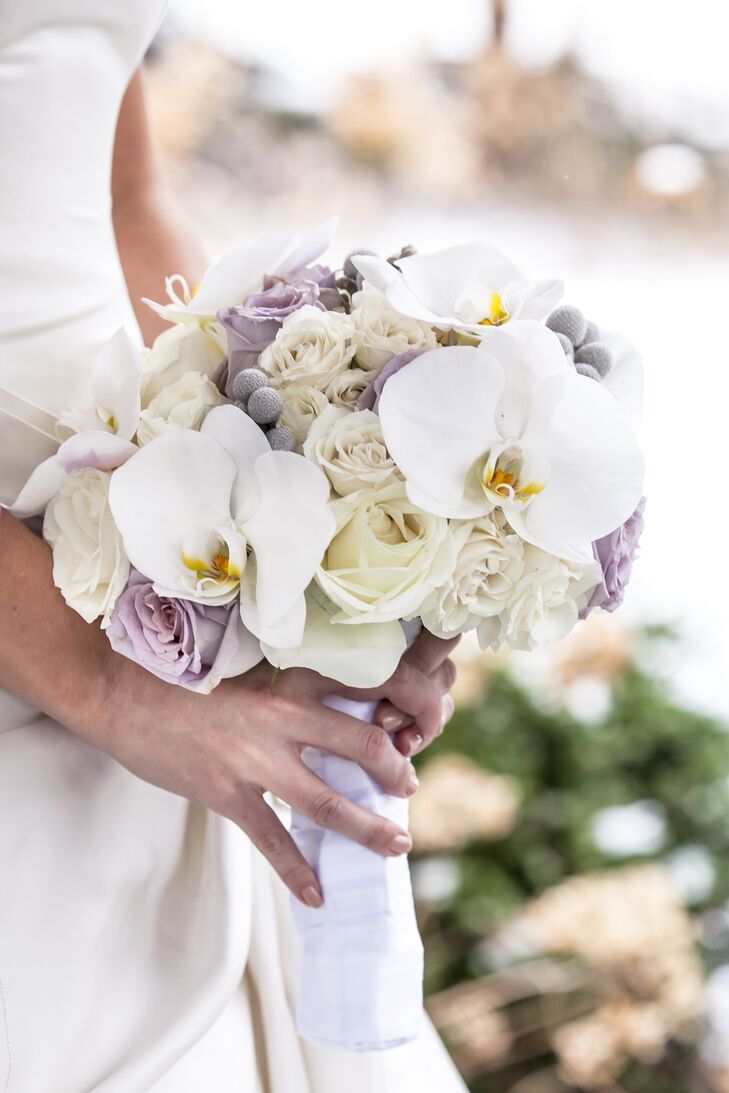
x=431, y=657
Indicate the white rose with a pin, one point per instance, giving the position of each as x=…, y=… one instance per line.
x=489, y=563
x=185, y=347
x=386, y=555
x=183, y=405
x=351, y=450
x=546, y=602
x=301, y=407
x=346, y=387
x=89, y=564
x=311, y=347
x=381, y=333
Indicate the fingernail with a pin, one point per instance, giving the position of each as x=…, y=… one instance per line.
x=393, y=721
x=312, y=897
x=412, y=783
x=416, y=743
x=401, y=844
x=446, y=709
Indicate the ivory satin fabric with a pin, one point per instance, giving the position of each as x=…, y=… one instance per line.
x=144, y=945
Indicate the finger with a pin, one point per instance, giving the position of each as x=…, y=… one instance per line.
x=328, y=809
x=409, y=741
x=392, y=719
x=368, y=745
x=266, y=831
x=412, y=693
x=429, y=652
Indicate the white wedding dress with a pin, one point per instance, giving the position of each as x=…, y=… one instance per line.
x=143, y=944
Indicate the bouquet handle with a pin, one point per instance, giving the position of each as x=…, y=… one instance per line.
x=360, y=984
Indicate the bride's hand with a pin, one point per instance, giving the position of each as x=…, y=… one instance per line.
x=225, y=749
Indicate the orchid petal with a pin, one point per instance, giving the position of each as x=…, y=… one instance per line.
x=229, y=280
x=528, y=352
x=356, y=656
x=43, y=484
x=596, y=467
x=308, y=250
x=473, y=503
x=116, y=381
x=287, y=631
x=625, y=378
x=244, y=441
x=383, y=276
x=289, y=531
x=95, y=448
x=541, y=299
x=174, y=489
x=438, y=418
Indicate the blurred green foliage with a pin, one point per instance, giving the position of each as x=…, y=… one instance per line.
x=645, y=746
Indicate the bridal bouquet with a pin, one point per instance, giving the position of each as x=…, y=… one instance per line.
x=306, y=461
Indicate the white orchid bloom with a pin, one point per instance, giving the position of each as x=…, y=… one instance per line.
x=98, y=435
x=240, y=272
x=510, y=424
x=470, y=288
x=115, y=402
x=212, y=515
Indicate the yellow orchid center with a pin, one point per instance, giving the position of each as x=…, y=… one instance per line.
x=219, y=568
x=107, y=418
x=502, y=478
x=497, y=313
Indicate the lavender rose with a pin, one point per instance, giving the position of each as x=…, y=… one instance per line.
x=179, y=641
x=321, y=276
x=616, y=553
x=370, y=397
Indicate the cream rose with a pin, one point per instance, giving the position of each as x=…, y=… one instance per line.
x=546, y=602
x=380, y=332
x=386, y=556
x=301, y=407
x=311, y=347
x=351, y=450
x=183, y=348
x=346, y=387
x=489, y=563
x=183, y=405
x=89, y=564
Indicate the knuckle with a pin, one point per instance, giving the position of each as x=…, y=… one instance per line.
x=404, y=674
x=378, y=834
x=450, y=674
x=419, y=660
x=374, y=743
x=326, y=809
x=271, y=843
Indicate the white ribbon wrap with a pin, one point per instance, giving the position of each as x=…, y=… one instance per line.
x=361, y=971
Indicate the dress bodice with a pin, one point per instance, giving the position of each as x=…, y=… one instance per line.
x=64, y=66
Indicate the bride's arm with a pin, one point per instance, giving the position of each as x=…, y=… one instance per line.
x=221, y=750
x=154, y=237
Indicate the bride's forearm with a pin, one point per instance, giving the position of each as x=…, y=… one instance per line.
x=154, y=237
x=49, y=656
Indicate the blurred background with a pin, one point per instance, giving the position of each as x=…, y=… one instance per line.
x=572, y=829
